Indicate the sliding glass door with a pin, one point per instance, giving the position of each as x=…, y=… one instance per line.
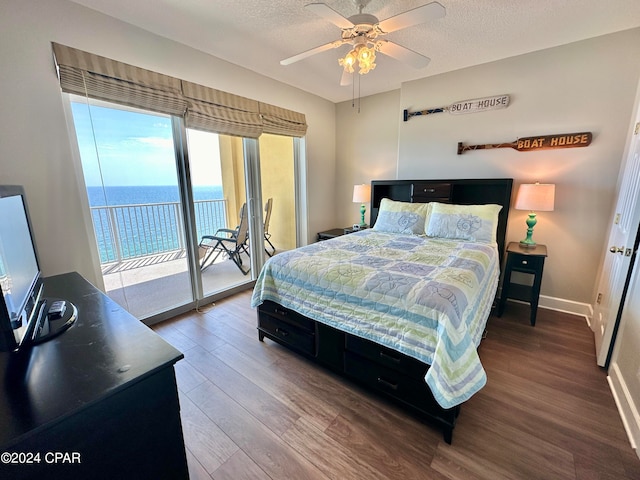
x=130, y=173
x=179, y=214
x=218, y=187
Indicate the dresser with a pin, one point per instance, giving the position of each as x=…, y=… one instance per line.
x=99, y=401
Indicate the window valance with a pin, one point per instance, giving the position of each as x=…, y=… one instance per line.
x=202, y=107
x=222, y=112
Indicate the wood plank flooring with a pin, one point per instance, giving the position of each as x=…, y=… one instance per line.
x=253, y=410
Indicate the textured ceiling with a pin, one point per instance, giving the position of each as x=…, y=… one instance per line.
x=257, y=34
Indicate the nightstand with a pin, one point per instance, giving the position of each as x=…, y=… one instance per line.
x=337, y=232
x=333, y=233
x=524, y=260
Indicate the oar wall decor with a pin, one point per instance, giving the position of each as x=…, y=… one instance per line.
x=542, y=142
x=465, y=106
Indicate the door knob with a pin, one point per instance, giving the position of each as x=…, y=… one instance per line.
x=620, y=250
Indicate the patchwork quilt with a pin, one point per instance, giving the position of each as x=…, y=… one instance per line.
x=428, y=298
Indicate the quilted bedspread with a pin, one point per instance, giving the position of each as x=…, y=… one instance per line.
x=427, y=298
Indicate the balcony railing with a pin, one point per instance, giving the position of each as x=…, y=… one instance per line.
x=124, y=232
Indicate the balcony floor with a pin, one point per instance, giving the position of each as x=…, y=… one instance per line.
x=149, y=285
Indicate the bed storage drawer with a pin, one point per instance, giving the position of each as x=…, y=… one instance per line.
x=386, y=357
x=431, y=192
x=287, y=333
x=288, y=316
x=414, y=392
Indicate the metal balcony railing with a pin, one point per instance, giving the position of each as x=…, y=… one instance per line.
x=124, y=232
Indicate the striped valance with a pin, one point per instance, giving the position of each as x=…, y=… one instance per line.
x=101, y=78
x=222, y=112
x=202, y=107
x=281, y=121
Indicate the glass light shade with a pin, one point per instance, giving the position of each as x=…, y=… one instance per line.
x=361, y=54
x=366, y=59
x=349, y=60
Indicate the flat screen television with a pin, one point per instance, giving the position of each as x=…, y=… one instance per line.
x=26, y=316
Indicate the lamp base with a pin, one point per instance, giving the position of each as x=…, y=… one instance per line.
x=363, y=209
x=525, y=244
x=528, y=241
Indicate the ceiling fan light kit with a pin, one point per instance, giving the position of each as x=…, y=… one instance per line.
x=361, y=54
x=362, y=31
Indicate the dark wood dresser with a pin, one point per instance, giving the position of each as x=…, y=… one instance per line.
x=99, y=401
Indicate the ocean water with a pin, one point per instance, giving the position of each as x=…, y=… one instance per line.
x=131, y=195
x=132, y=221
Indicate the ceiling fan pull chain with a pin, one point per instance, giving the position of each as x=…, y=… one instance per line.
x=353, y=93
x=359, y=78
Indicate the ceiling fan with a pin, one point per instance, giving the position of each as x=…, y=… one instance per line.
x=363, y=30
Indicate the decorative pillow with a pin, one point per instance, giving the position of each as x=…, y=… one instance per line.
x=402, y=217
x=477, y=223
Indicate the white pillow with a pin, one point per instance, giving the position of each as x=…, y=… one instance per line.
x=402, y=217
x=477, y=223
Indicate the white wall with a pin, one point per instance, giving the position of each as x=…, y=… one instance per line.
x=584, y=86
x=34, y=147
x=367, y=141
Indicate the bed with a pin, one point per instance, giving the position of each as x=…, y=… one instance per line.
x=399, y=308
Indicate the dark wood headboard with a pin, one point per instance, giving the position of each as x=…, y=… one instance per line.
x=462, y=192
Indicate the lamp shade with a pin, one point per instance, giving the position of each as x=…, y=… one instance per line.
x=361, y=193
x=536, y=197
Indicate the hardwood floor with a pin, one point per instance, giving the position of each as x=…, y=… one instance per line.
x=253, y=410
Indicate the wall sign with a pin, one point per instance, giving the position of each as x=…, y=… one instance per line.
x=542, y=142
x=465, y=106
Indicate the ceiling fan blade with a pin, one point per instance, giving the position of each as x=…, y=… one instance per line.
x=403, y=54
x=313, y=51
x=430, y=11
x=325, y=11
x=347, y=78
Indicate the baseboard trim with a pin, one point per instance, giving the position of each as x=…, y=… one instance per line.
x=626, y=407
x=566, y=306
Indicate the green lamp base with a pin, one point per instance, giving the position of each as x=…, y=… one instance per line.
x=528, y=241
x=363, y=209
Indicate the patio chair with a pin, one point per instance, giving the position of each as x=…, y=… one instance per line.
x=267, y=217
x=232, y=242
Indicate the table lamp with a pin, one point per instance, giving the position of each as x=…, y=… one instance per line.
x=534, y=197
x=362, y=195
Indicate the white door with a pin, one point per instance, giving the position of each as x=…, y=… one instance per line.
x=625, y=361
x=620, y=246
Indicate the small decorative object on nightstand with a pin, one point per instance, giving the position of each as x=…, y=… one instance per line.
x=355, y=228
x=523, y=259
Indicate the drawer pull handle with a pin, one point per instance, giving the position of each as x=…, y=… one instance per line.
x=385, y=383
x=524, y=262
x=430, y=190
x=280, y=312
x=282, y=332
x=391, y=358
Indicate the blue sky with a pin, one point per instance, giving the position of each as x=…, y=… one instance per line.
x=136, y=149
